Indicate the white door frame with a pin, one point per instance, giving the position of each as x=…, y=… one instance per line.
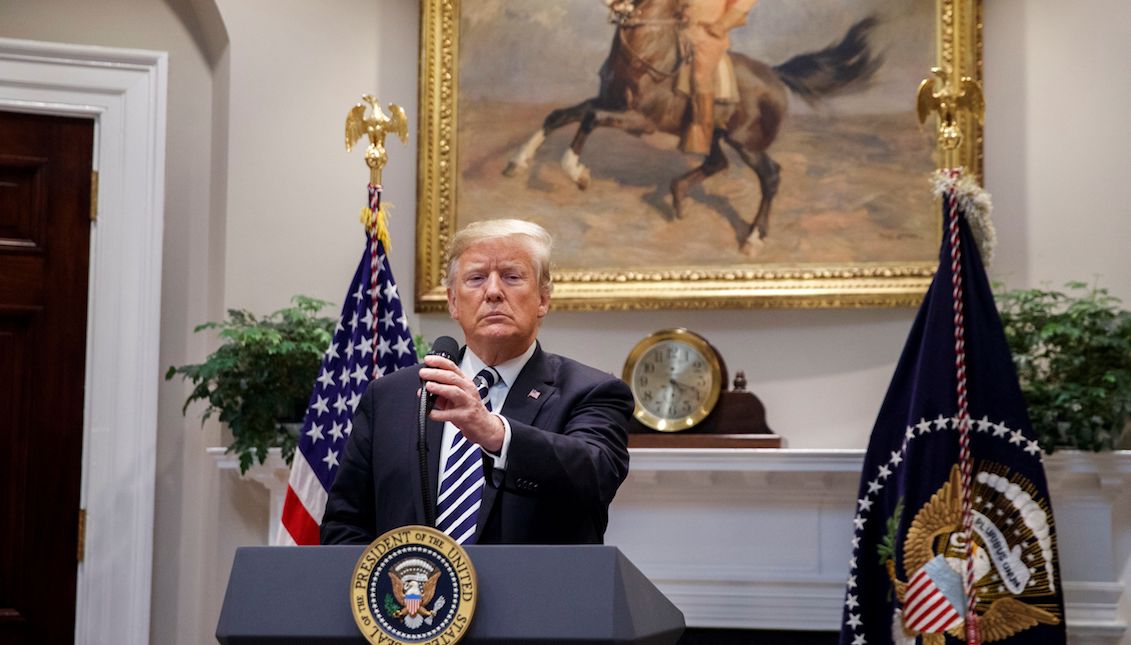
x=124, y=92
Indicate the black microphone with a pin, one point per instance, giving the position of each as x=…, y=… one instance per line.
x=447, y=347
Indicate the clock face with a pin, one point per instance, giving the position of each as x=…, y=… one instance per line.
x=676, y=382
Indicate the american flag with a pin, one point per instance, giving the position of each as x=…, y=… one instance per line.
x=371, y=339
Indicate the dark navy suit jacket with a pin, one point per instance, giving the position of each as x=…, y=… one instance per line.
x=567, y=457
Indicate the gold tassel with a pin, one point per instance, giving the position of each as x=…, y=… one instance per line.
x=366, y=218
x=378, y=224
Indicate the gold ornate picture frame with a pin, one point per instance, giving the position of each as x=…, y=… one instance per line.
x=852, y=222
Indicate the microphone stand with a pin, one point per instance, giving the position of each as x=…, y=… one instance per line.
x=447, y=347
x=422, y=451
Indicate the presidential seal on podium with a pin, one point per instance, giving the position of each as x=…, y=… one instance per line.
x=413, y=584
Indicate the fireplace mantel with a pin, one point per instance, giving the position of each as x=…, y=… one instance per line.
x=760, y=538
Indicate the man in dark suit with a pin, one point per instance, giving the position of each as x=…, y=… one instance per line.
x=524, y=446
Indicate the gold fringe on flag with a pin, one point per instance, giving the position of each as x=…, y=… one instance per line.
x=377, y=224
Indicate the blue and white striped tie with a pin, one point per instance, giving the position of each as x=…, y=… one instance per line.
x=461, y=479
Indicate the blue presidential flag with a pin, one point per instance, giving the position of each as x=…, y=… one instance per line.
x=953, y=536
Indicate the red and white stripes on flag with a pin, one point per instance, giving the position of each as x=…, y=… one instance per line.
x=927, y=609
x=303, y=506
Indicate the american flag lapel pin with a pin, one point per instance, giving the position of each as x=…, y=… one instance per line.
x=534, y=394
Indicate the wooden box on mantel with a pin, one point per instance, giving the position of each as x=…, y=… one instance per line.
x=738, y=421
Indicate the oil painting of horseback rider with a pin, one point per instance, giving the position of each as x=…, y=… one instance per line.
x=699, y=136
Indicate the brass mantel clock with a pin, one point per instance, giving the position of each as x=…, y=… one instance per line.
x=676, y=377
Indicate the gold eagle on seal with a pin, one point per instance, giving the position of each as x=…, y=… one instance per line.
x=424, y=590
x=932, y=533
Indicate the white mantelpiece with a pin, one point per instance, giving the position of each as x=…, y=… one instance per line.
x=272, y=474
x=742, y=538
x=760, y=539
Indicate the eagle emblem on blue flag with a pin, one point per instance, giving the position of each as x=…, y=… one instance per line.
x=1013, y=562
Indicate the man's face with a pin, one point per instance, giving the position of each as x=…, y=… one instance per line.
x=496, y=299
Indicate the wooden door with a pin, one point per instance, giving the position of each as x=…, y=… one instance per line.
x=45, y=192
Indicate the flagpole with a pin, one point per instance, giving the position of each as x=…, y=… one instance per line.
x=346, y=369
x=374, y=222
x=922, y=513
x=374, y=218
x=950, y=97
x=965, y=460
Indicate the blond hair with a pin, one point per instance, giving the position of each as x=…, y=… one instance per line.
x=536, y=239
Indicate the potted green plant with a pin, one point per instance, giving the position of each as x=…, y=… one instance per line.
x=260, y=378
x=1072, y=352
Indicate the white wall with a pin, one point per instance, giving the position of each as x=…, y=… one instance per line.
x=1057, y=140
x=294, y=194
x=262, y=203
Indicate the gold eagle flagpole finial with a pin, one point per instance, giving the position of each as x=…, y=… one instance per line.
x=377, y=125
x=947, y=97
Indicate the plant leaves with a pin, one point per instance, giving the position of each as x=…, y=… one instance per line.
x=1072, y=353
x=262, y=372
